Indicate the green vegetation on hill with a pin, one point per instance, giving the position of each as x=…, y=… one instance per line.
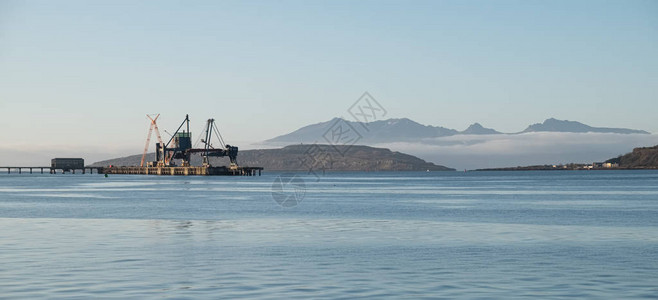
x=317, y=157
x=640, y=158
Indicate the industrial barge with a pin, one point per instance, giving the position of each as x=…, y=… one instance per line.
x=173, y=157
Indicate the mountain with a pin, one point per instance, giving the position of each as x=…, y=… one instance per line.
x=384, y=131
x=554, y=125
x=476, y=128
x=640, y=158
x=305, y=157
x=406, y=130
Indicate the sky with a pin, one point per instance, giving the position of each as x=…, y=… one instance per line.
x=80, y=76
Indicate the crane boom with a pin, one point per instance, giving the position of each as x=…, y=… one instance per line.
x=154, y=125
x=146, y=147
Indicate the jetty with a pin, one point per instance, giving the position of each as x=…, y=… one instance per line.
x=65, y=165
x=51, y=170
x=185, y=171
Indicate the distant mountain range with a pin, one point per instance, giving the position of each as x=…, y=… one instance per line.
x=554, y=125
x=406, y=130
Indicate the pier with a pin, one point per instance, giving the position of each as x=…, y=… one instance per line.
x=185, y=171
x=192, y=170
x=50, y=170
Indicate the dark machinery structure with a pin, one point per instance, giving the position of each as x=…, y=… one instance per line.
x=180, y=147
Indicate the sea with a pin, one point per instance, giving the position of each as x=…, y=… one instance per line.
x=351, y=235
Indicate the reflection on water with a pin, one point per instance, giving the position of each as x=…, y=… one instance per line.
x=320, y=258
x=453, y=236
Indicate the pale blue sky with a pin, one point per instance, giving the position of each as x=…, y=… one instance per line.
x=85, y=72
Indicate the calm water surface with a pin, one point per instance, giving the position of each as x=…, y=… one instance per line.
x=355, y=235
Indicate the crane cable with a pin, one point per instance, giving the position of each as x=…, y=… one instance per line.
x=221, y=139
x=200, y=136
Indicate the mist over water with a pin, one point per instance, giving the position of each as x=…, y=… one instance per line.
x=381, y=235
x=511, y=150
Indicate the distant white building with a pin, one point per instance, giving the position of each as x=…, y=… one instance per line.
x=604, y=165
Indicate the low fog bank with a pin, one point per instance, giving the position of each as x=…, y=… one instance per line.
x=538, y=148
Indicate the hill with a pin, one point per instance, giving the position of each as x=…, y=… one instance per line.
x=640, y=158
x=304, y=157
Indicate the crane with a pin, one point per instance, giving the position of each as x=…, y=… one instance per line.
x=209, y=150
x=154, y=125
x=180, y=146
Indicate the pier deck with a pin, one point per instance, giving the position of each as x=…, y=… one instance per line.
x=50, y=170
x=185, y=171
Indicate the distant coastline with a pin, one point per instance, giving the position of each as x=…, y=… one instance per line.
x=583, y=167
x=642, y=158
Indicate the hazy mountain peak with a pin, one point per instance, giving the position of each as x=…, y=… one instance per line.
x=380, y=131
x=555, y=125
x=477, y=128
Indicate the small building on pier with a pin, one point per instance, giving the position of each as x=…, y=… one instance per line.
x=67, y=164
